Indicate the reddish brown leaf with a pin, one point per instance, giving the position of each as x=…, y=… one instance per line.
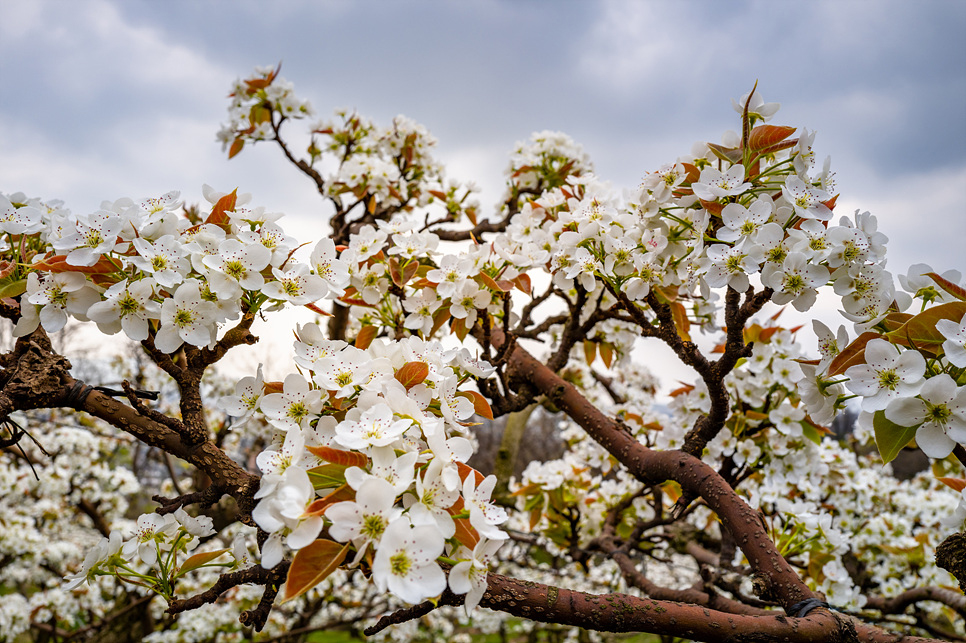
x=920, y=332
x=458, y=326
x=412, y=373
x=686, y=388
x=440, y=317
x=522, y=282
x=465, y=471
x=236, y=147
x=713, y=207
x=730, y=154
x=273, y=387
x=681, y=321
x=341, y=494
x=480, y=405
x=954, y=290
x=590, y=351
x=198, y=560
x=311, y=565
x=338, y=456
x=491, y=283
x=438, y=194
x=365, y=337
x=956, y=484
x=465, y=532
x=606, y=353
x=851, y=355
x=225, y=204
x=395, y=272
x=58, y=263
x=693, y=173
x=764, y=136
x=318, y=311
x=778, y=147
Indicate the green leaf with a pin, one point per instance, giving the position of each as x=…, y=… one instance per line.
x=13, y=289
x=920, y=331
x=811, y=433
x=890, y=438
x=327, y=475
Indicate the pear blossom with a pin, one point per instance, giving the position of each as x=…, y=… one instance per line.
x=398, y=471
x=371, y=281
x=795, y=281
x=468, y=576
x=24, y=220
x=57, y=294
x=295, y=285
x=186, y=317
x=129, y=307
x=939, y=411
x=235, y=267
x=730, y=265
x=365, y=519
x=243, y=404
x=955, y=340
x=807, y=200
x=333, y=271
x=164, y=260
x=312, y=345
x=98, y=556
x=829, y=344
x=421, y=308
x=405, y=563
x=343, y=372
x=374, y=427
x=467, y=297
x=887, y=374
x=154, y=534
x=713, y=184
x=484, y=515
x=282, y=515
x=432, y=499
x=93, y=235
x=294, y=407
x=757, y=107
x=273, y=463
x=743, y=223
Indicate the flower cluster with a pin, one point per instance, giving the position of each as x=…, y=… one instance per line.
x=163, y=544
x=141, y=268
x=909, y=369
x=368, y=448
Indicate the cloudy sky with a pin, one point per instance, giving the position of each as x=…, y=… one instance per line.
x=106, y=99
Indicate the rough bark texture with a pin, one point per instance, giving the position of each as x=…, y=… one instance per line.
x=951, y=556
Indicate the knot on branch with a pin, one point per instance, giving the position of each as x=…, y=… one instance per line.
x=34, y=375
x=951, y=556
x=205, y=499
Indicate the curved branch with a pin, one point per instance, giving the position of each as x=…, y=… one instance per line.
x=775, y=579
x=898, y=604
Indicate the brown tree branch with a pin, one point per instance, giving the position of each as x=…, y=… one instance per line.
x=775, y=579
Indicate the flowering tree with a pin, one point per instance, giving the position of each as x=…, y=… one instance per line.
x=734, y=517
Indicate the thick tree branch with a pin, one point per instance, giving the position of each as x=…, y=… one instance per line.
x=775, y=579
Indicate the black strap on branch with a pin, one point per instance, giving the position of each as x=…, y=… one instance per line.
x=144, y=395
x=78, y=393
x=801, y=609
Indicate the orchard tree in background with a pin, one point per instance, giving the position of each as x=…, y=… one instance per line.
x=341, y=498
